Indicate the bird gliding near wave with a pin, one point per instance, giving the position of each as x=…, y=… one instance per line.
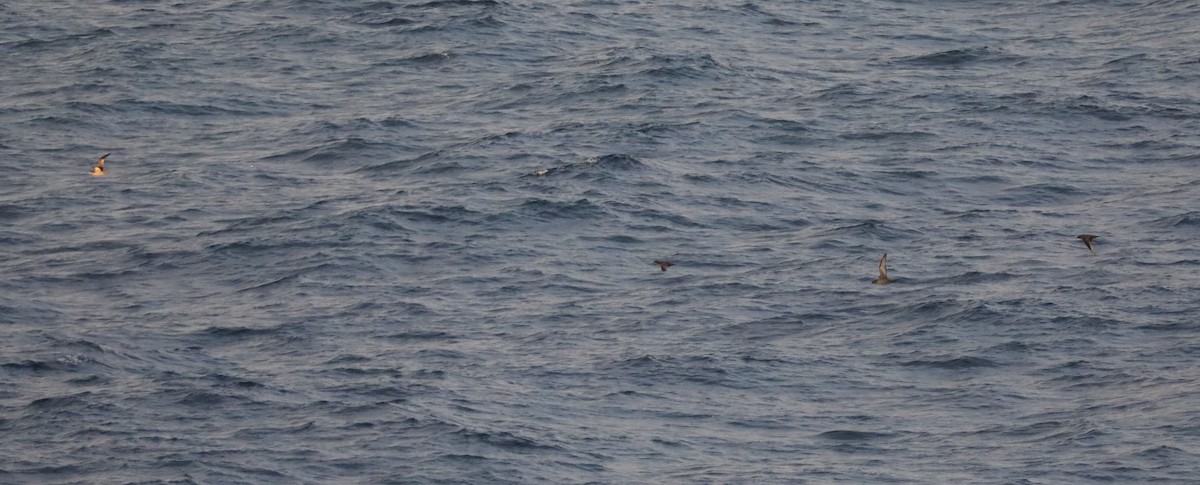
x=1087, y=240
x=99, y=170
x=883, y=277
x=663, y=264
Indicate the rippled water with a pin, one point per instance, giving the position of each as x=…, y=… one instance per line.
x=413, y=242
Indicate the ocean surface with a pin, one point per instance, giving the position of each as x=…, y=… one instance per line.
x=412, y=242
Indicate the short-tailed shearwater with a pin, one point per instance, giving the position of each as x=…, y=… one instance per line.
x=663, y=264
x=883, y=278
x=1087, y=240
x=99, y=170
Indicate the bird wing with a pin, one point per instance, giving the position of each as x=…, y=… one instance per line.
x=883, y=266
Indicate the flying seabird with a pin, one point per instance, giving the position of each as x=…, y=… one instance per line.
x=1087, y=240
x=663, y=264
x=882, y=279
x=99, y=170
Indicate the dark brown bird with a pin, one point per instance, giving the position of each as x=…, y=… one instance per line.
x=1087, y=240
x=663, y=264
x=883, y=278
x=99, y=170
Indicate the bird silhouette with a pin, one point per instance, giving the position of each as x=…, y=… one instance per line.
x=883, y=277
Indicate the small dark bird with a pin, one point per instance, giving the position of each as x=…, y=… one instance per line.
x=663, y=264
x=1087, y=240
x=883, y=278
x=99, y=170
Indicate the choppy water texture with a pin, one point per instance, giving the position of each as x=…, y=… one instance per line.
x=413, y=242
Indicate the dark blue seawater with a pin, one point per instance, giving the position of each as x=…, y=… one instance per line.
x=413, y=242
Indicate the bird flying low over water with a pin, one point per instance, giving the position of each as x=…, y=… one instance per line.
x=883, y=277
x=99, y=170
x=1087, y=240
x=663, y=264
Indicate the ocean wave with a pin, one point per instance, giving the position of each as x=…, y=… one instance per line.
x=957, y=57
x=355, y=241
